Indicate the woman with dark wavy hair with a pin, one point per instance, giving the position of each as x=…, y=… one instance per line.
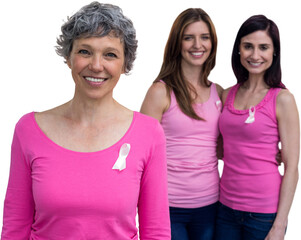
x=259, y=112
x=82, y=169
x=188, y=106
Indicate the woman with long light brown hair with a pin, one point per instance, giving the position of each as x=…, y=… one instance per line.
x=188, y=106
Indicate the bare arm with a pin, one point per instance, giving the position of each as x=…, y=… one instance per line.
x=219, y=90
x=156, y=101
x=219, y=148
x=289, y=130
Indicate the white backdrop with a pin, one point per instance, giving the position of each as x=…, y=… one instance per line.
x=34, y=78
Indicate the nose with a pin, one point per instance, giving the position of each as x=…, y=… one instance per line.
x=255, y=53
x=197, y=43
x=96, y=64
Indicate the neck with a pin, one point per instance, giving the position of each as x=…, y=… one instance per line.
x=192, y=74
x=90, y=111
x=255, y=83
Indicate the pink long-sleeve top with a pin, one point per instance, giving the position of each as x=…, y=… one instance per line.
x=55, y=193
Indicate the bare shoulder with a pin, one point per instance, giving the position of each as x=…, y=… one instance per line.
x=158, y=89
x=156, y=101
x=286, y=104
x=285, y=97
x=44, y=116
x=49, y=117
x=225, y=94
x=219, y=90
x=157, y=93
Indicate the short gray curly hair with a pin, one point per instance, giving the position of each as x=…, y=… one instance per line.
x=99, y=20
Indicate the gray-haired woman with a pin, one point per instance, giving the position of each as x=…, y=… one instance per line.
x=80, y=170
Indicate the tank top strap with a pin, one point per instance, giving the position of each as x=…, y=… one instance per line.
x=231, y=95
x=173, y=100
x=214, y=97
x=275, y=92
x=213, y=92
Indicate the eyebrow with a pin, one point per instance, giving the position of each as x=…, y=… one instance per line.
x=192, y=35
x=107, y=49
x=112, y=49
x=83, y=45
x=261, y=44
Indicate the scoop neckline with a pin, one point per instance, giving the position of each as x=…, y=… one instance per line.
x=232, y=96
x=210, y=96
x=61, y=148
x=203, y=103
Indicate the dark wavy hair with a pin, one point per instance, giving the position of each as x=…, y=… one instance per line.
x=171, y=70
x=99, y=20
x=272, y=76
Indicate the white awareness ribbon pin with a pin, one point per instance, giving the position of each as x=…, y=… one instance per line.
x=251, y=117
x=120, y=164
x=218, y=104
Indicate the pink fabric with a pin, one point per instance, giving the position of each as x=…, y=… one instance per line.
x=55, y=193
x=251, y=180
x=193, y=179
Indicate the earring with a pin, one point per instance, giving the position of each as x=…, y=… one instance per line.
x=274, y=54
x=238, y=53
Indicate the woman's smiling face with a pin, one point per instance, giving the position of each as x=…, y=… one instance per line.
x=96, y=64
x=196, y=44
x=256, y=52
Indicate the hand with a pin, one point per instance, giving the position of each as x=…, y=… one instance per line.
x=276, y=234
x=279, y=157
x=220, y=148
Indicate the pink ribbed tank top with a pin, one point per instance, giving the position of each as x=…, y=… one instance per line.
x=250, y=180
x=193, y=179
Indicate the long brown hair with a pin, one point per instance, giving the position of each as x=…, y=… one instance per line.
x=171, y=71
x=272, y=76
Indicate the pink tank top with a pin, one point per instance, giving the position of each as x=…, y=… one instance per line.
x=193, y=179
x=250, y=180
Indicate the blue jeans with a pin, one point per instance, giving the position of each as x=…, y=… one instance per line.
x=239, y=225
x=193, y=223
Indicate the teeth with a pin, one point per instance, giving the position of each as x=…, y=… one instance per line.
x=197, y=53
x=255, y=64
x=91, y=79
